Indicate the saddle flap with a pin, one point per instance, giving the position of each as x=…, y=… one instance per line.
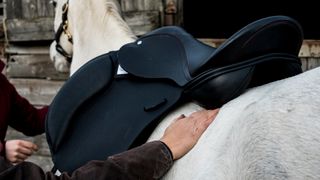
x=119, y=117
x=82, y=85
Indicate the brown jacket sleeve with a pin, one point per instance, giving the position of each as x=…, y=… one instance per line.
x=149, y=161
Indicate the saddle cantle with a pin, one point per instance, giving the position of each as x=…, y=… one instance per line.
x=99, y=111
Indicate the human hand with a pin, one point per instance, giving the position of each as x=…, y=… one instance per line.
x=181, y=135
x=19, y=150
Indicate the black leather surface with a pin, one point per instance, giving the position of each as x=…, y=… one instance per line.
x=99, y=113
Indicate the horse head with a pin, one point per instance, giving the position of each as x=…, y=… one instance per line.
x=61, y=49
x=85, y=29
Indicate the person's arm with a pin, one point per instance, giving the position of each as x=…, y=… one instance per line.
x=23, y=116
x=149, y=161
x=18, y=113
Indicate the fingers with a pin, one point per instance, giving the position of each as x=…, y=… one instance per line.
x=19, y=150
x=181, y=135
x=28, y=145
x=25, y=151
x=202, y=119
x=211, y=115
x=16, y=157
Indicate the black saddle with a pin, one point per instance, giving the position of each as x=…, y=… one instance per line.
x=101, y=110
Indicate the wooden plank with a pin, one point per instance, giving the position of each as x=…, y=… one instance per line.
x=312, y=62
x=28, y=30
x=22, y=50
x=13, y=9
x=33, y=66
x=140, y=5
x=22, y=9
x=45, y=8
x=304, y=62
x=153, y=5
x=29, y=9
x=310, y=48
x=127, y=5
x=38, y=91
x=142, y=21
x=179, y=15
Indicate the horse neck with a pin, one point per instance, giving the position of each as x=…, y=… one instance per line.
x=97, y=29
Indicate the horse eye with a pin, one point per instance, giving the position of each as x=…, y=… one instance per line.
x=54, y=3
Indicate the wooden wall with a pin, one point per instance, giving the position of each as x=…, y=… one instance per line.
x=29, y=26
x=29, y=31
x=146, y=15
x=309, y=53
x=30, y=20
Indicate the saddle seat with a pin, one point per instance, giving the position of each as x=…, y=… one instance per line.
x=103, y=110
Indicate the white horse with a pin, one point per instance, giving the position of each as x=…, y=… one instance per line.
x=96, y=28
x=269, y=132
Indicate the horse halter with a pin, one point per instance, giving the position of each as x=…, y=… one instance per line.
x=63, y=28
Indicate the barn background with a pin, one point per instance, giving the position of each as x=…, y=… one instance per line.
x=27, y=31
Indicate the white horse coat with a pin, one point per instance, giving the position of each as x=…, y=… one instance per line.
x=269, y=132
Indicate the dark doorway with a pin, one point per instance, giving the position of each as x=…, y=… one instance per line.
x=220, y=19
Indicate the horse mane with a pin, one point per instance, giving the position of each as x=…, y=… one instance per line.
x=99, y=30
x=113, y=9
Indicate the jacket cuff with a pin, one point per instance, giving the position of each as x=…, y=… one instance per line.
x=149, y=161
x=168, y=149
